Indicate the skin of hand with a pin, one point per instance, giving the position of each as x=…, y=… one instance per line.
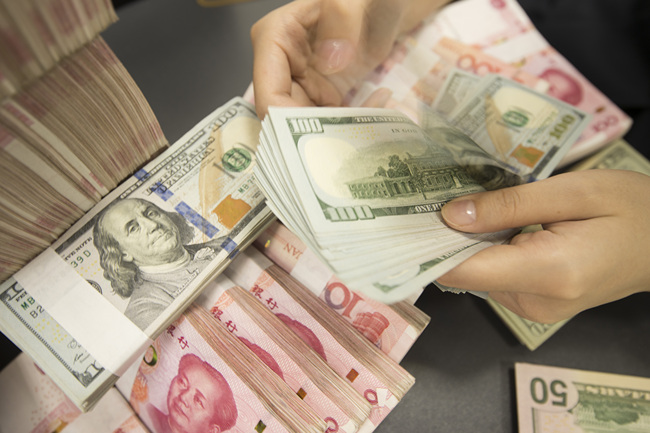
x=593, y=248
x=312, y=52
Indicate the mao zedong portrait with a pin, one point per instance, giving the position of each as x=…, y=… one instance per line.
x=143, y=252
x=199, y=400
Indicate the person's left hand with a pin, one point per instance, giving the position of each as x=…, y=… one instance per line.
x=594, y=248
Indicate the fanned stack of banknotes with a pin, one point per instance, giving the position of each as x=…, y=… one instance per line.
x=485, y=90
x=72, y=121
x=363, y=187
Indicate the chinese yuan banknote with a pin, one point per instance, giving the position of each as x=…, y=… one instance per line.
x=30, y=402
x=393, y=331
x=291, y=358
x=198, y=377
x=380, y=380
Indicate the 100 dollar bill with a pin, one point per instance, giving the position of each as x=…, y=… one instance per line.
x=528, y=131
x=353, y=169
x=364, y=187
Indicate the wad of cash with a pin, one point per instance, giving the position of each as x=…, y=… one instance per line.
x=363, y=187
x=89, y=305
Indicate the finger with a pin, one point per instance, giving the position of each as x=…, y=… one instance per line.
x=536, y=308
x=272, y=81
x=532, y=262
x=281, y=49
x=566, y=197
x=338, y=35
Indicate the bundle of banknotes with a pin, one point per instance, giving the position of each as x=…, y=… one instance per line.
x=38, y=34
x=286, y=360
x=200, y=377
x=73, y=123
x=363, y=187
x=553, y=399
x=31, y=402
x=89, y=305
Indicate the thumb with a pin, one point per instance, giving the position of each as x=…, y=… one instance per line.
x=338, y=35
x=560, y=198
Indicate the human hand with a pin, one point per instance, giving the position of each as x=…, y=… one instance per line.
x=312, y=52
x=594, y=248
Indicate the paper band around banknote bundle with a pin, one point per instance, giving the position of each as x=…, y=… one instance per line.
x=114, y=341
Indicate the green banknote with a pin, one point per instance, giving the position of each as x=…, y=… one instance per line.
x=563, y=400
x=528, y=131
x=364, y=169
x=364, y=187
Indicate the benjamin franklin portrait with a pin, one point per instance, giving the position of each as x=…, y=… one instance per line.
x=145, y=254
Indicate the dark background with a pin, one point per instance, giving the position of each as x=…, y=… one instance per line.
x=609, y=42
x=189, y=60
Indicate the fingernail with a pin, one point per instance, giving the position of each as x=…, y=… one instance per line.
x=459, y=213
x=335, y=55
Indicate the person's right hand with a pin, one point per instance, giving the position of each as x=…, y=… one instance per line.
x=312, y=52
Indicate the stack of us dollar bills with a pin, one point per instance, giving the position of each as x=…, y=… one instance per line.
x=90, y=304
x=363, y=187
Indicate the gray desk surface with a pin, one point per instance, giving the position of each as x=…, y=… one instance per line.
x=188, y=60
